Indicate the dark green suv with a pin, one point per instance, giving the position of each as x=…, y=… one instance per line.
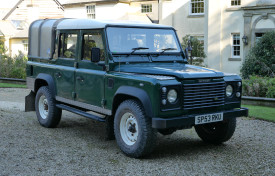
x=134, y=77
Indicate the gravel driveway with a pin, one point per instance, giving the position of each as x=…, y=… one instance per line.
x=77, y=147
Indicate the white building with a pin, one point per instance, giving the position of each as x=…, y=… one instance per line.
x=221, y=24
x=17, y=15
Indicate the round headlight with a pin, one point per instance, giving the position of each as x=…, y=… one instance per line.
x=172, y=96
x=229, y=91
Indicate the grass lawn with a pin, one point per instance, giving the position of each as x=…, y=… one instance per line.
x=8, y=85
x=261, y=112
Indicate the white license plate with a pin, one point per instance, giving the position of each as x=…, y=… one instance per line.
x=208, y=118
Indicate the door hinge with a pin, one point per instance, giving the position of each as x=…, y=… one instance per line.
x=103, y=102
x=73, y=94
x=75, y=65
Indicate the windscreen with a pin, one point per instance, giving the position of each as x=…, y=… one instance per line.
x=142, y=40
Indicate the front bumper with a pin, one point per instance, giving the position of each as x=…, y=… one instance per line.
x=189, y=120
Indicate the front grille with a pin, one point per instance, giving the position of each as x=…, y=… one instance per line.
x=203, y=95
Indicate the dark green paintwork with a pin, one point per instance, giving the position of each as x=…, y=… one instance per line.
x=89, y=81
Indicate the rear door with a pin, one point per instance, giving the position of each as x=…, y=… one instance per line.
x=89, y=85
x=64, y=74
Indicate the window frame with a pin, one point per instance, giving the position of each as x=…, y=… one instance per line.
x=25, y=43
x=84, y=32
x=190, y=8
x=59, y=56
x=230, y=3
x=146, y=8
x=90, y=13
x=233, y=45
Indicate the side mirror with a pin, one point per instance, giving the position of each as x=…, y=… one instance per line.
x=95, y=55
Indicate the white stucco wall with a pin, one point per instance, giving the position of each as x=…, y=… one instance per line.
x=222, y=21
x=177, y=14
x=16, y=45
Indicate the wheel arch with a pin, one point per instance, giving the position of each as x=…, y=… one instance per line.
x=44, y=80
x=127, y=92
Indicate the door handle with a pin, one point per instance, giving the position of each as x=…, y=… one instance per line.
x=58, y=74
x=80, y=78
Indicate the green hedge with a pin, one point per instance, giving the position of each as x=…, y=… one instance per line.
x=259, y=87
x=13, y=67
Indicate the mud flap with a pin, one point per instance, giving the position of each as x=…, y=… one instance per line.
x=30, y=102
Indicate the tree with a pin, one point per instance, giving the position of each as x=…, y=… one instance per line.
x=3, y=49
x=261, y=58
x=198, y=53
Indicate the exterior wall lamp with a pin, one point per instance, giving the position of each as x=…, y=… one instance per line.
x=245, y=39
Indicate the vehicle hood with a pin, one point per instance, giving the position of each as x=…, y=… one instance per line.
x=179, y=70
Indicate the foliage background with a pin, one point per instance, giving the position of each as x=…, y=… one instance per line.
x=198, y=53
x=12, y=67
x=261, y=58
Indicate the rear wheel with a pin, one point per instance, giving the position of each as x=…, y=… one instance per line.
x=133, y=130
x=47, y=113
x=216, y=133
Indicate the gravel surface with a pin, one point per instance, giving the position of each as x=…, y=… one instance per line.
x=77, y=147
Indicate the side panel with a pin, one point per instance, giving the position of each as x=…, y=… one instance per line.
x=64, y=78
x=89, y=85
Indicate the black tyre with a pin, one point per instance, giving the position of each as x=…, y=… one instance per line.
x=133, y=130
x=47, y=113
x=216, y=133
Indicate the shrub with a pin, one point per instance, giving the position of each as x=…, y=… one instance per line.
x=261, y=58
x=198, y=53
x=13, y=67
x=259, y=87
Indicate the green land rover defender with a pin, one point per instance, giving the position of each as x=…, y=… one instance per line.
x=134, y=77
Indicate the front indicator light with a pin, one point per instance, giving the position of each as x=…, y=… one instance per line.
x=172, y=96
x=163, y=102
x=238, y=94
x=229, y=90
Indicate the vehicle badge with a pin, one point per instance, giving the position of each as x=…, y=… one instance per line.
x=204, y=80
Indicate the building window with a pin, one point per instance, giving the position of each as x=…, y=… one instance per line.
x=25, y=45
x=90, y=11
x=146, y=8
x=258, y=36
x=197, y=7
x=235, y=2
x=236, y=47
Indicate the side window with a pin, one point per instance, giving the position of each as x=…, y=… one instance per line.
x=92, y=40
x=67, y=47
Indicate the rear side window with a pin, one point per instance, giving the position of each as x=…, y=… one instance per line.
x=67, y=47
x=92, y=40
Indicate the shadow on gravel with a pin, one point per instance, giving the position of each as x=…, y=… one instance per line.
x=180, y=144
x=186, y=147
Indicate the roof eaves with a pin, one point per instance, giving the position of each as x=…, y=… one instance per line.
x=10, y=12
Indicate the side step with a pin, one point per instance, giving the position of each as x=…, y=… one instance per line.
x=79, y=112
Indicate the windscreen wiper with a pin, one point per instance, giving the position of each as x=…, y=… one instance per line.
x=167, y=49
x=138, y=48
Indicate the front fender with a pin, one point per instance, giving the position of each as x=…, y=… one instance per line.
x=139, y=94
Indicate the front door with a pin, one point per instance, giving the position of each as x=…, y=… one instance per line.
x=90, y=76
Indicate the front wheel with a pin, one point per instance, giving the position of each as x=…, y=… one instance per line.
x=218, y=132
x=133, y=130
